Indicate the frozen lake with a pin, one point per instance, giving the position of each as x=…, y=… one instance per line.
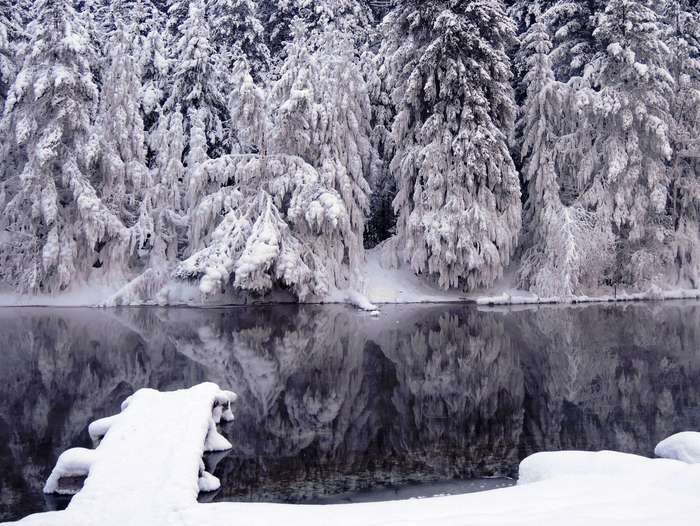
x=337, y=406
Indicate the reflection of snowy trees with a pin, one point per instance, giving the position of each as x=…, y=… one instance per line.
x=331, y=398
x=608, y=377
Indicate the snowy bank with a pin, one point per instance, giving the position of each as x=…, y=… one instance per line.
x=381, y=280
x=147, y=470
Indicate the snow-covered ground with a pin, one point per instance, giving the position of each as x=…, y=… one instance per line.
x=381, y=281
x=147, y=471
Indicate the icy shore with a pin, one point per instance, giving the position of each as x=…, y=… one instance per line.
x=147, y=470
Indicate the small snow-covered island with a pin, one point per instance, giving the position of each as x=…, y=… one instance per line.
x=378, y=262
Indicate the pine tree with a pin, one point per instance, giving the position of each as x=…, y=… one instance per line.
x=238, y=33
x=269, y=219
x=572, y=24
x=627, y=126
x=176, y=12
x=458, y=200
x=323, y=116
x=352, y=17
x=382, y=219
x=525, y=13
x=122, y=167
x=146, y=14
x=682, y=35
x=11, y=37
x=198, y=78
x=160, y=233
x=564, y=247
x=155, y=69
x=59, y=230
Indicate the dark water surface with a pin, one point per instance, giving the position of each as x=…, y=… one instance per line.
x=338, y=406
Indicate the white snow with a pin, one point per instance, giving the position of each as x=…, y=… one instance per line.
x=682, y=446
x=148, y=471
x=386, y=281
x=519, y=297
x=72, y=463
x=149, y=462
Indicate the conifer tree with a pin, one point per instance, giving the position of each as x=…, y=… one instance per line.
x=682, y=35
x=11, y=37
x=565, y=249
x=59, y=230
x=628, y=127
x=238, y=33
x=198, y=78
x=458, y=200
x=571, y=22
x=122, y=154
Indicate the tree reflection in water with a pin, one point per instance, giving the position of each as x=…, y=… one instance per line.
x=332, y=400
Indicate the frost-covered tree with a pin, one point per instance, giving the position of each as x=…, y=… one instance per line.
x=57, y=228
x=11, y=36
x=322, y=114
x=238, y=33
x=275, y=226
x=146, y=14
x=682, y=35
x=526, y=13
x=565, y=248
x=269, y=219
x=627, y=127
x=198, y=78
x=176, y=12
x=160, y=233
x=572, y=23
x=382, y=219
x=353, y=17
x=155, y=69
x=123, y=175
x=458, y=200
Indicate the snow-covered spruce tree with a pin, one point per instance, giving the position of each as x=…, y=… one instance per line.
x=353, y=17
x=381, y=223
x=123, y=175
x=571, y=22
x=11, y=36
x=176, y=12
x=458, y=200
x=525, y=13
x=322, y=114
x=682, y=35
x=564, y=248
x=58, y=229
x=198, y=78
x=161, y=230
x=238, y=33
x=155, y=69
x=627, y=126
x=146, y=14
x=269, y=219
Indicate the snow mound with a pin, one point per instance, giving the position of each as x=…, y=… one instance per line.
x=682, y=446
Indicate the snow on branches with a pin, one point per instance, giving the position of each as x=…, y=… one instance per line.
x=458, y=200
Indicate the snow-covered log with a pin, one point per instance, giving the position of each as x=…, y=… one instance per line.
x=153, y=448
